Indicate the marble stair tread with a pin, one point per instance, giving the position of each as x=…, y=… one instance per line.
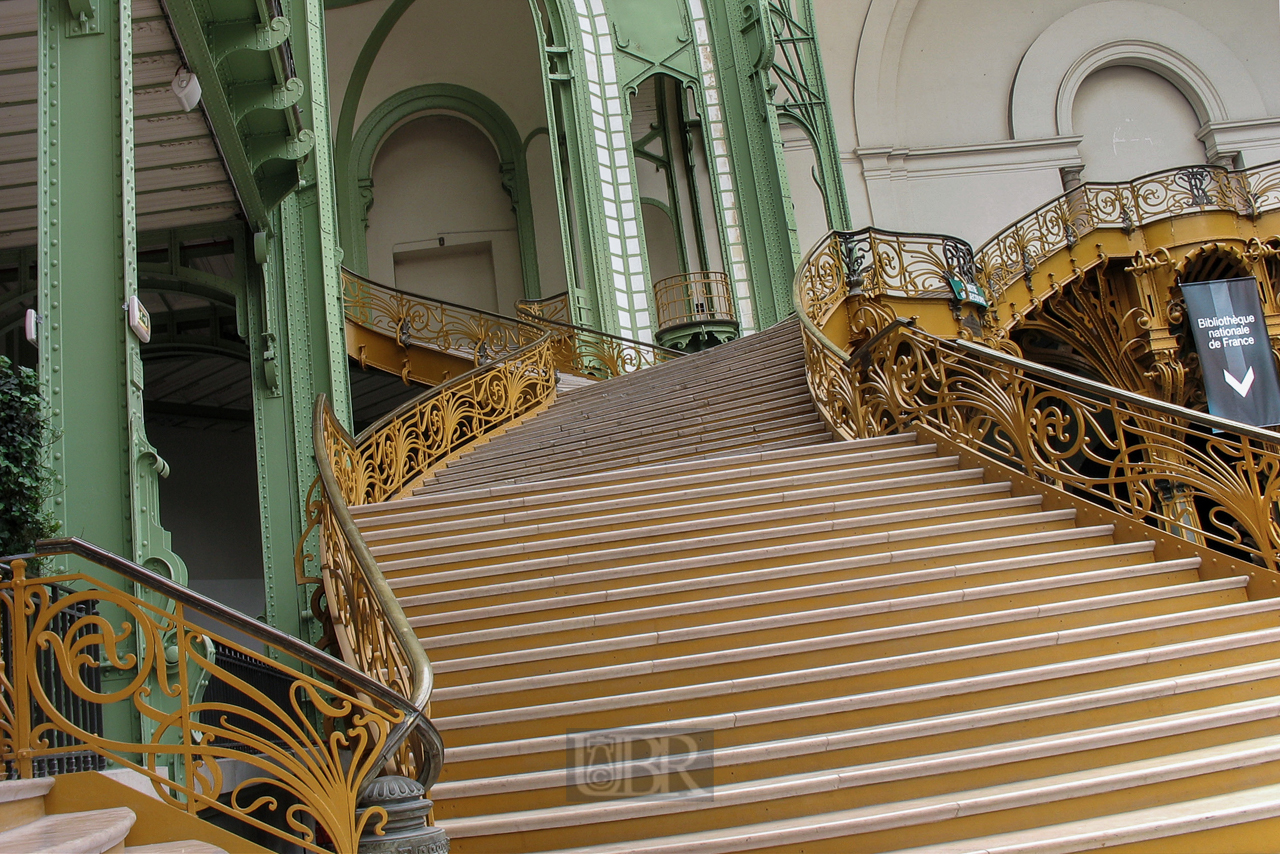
x=1028, y=710
x=620, y=545
x=885, y=597
x=21, y=790
x=831, y=496
x=545, y=654
x=886, y=696
x=986, y=652
x=91, y=832
x=606, y=440
x=902, y=767
x=1119, y=829
x=438, y=639
x=663, y=523
x=446, y=692
x=936, y=808
x=746, y=461
x=640, y=581
x=800, y=465
x=752, y=436
x=779, y=375
x=905, y=471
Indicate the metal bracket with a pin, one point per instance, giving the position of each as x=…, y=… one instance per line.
x=262, y=149
x=84, y=20
x=229, y=38
x=246, y=99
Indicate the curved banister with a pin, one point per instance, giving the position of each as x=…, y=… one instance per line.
x=315, y=733
x=1206, y=479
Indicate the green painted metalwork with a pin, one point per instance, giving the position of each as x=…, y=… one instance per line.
x=90, y=363
x=742, y=39
x=243, y=56
x=358, y=184
x=800, y=94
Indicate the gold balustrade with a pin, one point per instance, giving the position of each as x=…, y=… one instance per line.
x=416, y=321
x=419, y=324
x=301, y=763
x=1207, y=479
x=896, y=265
x=701, y=297
x=549, y=308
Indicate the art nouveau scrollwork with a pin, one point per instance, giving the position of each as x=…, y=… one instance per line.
x=303, y=749
x=1159, y=464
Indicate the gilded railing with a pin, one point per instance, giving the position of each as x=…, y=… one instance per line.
x=549, y=308
x=290, y=762
x=588, y=353
x=701, y=297
x=1207, y=479
x=415, y=321
x=886, y=263
x=890, y=263
x=1015, y=252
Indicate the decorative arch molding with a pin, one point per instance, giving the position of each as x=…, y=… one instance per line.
x=435, y=99
x=875, y=74
x=1121, y=32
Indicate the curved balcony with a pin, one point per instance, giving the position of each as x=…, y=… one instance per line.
x=695, y=311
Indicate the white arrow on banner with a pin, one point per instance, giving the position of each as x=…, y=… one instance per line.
x=1241, y=386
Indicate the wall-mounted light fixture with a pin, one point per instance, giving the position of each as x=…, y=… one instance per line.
x=186, y=88
x=33, y=326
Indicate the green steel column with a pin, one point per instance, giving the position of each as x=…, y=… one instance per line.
x=744, y=51
x=298, y=349
x=89, y=361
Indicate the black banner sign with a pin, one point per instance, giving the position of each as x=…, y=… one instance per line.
x=1235, y=353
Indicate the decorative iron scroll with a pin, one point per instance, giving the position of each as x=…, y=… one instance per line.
x=1016, y=251
x=549, y=308
x=702, y=297
x=415, y=321
x=587, y=353
x=309, y=749
x=889, y=263
x=1208, y=480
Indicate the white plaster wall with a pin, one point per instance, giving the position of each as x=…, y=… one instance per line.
x=806, y=196
x=921, y=98
x=489, y=46
x=1133, y=121
x=437, y=177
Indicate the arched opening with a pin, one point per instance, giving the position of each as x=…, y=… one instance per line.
x=443, y=225
x=1133, y=121
x=682, y=242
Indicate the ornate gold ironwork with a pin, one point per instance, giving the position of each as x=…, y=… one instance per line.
x=414, y=321
x=1016, y=251
x=1207, y=479
x=549, y=308
x=702, y=297
x=309, y=756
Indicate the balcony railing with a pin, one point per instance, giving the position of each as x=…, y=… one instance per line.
x=690, y=298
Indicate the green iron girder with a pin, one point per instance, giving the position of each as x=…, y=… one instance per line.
x=249, y=91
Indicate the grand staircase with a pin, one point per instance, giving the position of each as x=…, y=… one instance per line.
x=832, y=646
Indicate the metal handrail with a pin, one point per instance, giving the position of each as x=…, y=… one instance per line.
x=188, y=598
x=716, y=304
x=1131, y=453
x=538, y=320
x=322, y=743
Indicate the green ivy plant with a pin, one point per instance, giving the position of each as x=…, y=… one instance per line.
x=26, y=480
